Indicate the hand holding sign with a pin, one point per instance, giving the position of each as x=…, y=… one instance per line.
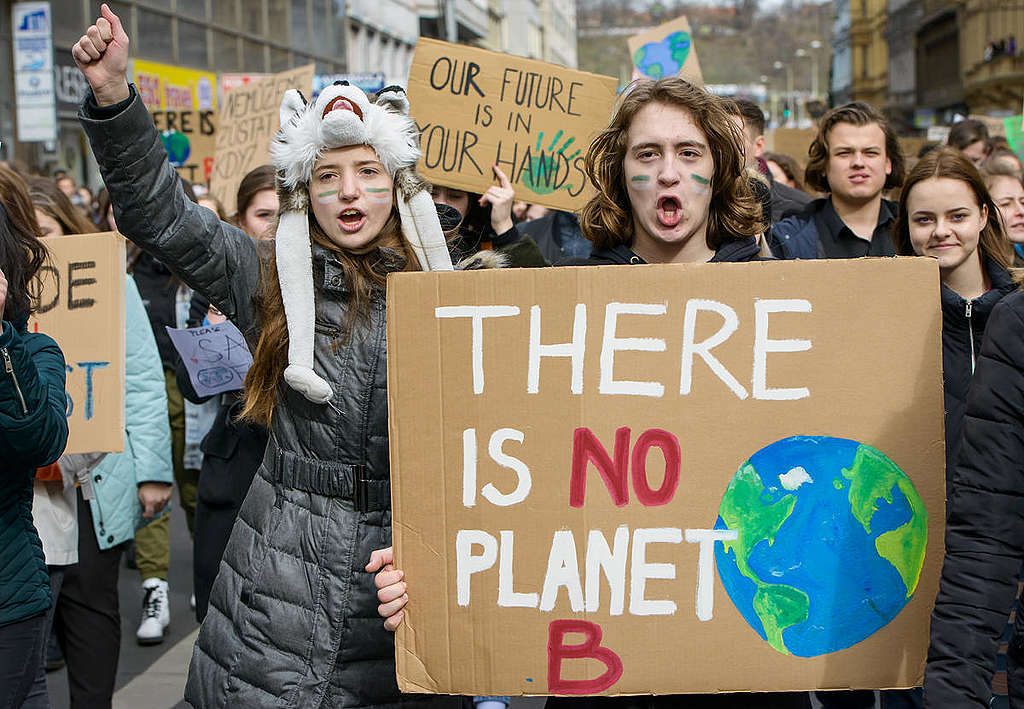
x=102, y=55
x=391, y=589
x=500, y=197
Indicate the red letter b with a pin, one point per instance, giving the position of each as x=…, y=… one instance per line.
x=590, y=647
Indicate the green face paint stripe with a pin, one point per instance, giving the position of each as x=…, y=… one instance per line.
x=328, y=193
x=701, y=180
x=640, y=178
x=377, y=189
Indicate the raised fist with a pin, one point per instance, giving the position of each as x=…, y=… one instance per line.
x=102, y=55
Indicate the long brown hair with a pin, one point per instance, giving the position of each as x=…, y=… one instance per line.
x=607, y=219
x=950, y=163
x=362, y=276
x=48, y=198
x=857, y=113
x=22, y=254
x=255, y=181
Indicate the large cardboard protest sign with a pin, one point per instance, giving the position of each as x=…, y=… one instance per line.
x=791, y=141
x=534, y=120
x=82, y=306
x=637, y=480
x=249, y=118
x=666, y=50
x=183, y=103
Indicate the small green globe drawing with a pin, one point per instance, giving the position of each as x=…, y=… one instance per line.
x=177, y=146
x=831, y=542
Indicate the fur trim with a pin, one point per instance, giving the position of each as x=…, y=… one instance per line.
x=307, y=133
x=292, y=200
x=482, y=260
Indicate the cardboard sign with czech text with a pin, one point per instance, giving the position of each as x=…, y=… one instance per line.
x=249, y=118
x=82, y=306
x=534, y=120
x=616, y=480
x=666, y=50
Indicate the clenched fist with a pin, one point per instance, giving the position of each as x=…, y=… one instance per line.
x=102, y=55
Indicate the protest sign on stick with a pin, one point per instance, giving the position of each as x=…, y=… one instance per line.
x=82, y=306
x=637, y=480
x=666, y=50
x=534, y=120
x=215, y=356
x=249, y=118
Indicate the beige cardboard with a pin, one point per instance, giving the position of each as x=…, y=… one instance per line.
x=475, y=109
x=792, y=141
x=82, y=307
x=675, y=40
x=249, y=118
x=200, y=130
x=872, y=374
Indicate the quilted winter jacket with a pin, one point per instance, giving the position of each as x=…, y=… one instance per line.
x=116, y=510
x=985, y=523
x=33, y=433
x=293, y=614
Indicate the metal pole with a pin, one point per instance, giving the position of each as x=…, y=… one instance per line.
x=789, y=92
x=451, y=28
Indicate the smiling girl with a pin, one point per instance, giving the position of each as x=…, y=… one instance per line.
x=1007, y=189
x=292, y=618
x=946, y=213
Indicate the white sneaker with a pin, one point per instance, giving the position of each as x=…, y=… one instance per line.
x=156, y=612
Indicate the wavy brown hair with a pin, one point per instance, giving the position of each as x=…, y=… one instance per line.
x=362, y=276
x=858, y=113
x=607, y=219
x=48, y=198
x=950, y=163
x=22, y=253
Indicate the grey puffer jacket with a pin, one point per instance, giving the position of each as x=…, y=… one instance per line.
x=293, y=614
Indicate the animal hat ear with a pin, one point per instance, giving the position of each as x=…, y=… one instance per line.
x=291, y=104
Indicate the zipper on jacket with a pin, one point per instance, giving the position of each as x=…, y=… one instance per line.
x=970, y=332
x=9, y=368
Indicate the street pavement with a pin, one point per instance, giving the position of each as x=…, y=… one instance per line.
x=153, y=677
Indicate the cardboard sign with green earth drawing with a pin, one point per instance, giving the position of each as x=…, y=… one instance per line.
x=1014, y=134
x=666, y=50
x=534, y=120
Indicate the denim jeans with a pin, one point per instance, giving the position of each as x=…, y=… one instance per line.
x=22, y=677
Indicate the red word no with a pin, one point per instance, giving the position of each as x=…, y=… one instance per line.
x=586, y=448
x=590, y=647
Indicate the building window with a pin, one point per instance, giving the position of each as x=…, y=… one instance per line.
x=225, y=12
x=279, y=60
x=864, y=63
x=155, y=36
x=322, y=29
x=225, y=52
x=252, y=57
x=193, y=8
x=192, y=44
x=300, y=25
x=252, y=16
x=277, y=17
x=69, y=22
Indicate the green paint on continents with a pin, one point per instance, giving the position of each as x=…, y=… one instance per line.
x=777, y=605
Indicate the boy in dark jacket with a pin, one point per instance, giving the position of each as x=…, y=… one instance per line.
x=854, y=158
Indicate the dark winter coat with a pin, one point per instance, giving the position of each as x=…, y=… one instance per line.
x=232, y=453
x=159, y=290
x=985, y=522
x=732, y=251
x=293, y=614
x=796, y=236
x=33, y=433
x=963, y=325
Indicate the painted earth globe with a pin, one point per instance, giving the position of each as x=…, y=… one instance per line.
x=831, y=538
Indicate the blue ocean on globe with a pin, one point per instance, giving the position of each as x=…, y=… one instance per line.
x=177, y=146
x=831, y=536
x=665, y=58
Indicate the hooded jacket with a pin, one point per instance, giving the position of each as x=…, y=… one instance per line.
x=963, y=326
x=985, y=525
x=33, y=433
x=731, y=251
x=293, y=617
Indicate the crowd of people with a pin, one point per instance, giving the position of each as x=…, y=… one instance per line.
x=279, y=486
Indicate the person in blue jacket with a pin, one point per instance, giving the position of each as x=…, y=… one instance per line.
x=33, y=433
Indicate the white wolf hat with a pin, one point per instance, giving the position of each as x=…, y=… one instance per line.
x=342, y=116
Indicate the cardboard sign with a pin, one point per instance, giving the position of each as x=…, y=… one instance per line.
x=82, y=307
x=183, y=104
x=666, y=50
x=1014, y=134
x=249, y=118
x=636, y=480
x=215, y=356
x=792, y=141
x=534, y=120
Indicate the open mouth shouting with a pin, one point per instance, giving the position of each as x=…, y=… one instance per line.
x=351, y=220
x=342, y=104
x=670, y=211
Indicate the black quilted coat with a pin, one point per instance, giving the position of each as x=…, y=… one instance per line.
x=293, y=615
x=985, y=524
